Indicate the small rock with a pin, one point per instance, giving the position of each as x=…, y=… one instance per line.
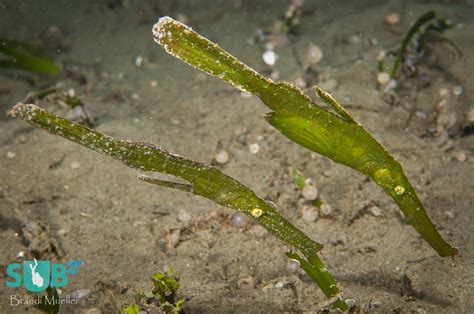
x=246, y=283
x=20, y=254
x=184, y=216
x=270, y=57
x=75, y=165
x=172, y=238
x=222, y=157
x=314, y=54
x=309, y=213
x=391, y=85
x=258, y=231
x=22, y=139
x=153, y=83
x=239, y=220
x=381, y=55
x=457, y=90
x=449, y=214
x=461, y=157
x=393, y=19
x=62, y=232
x=355, y=39
x=11, y=155
x=326, y=209
x=375, y=210
x=310, y=192
x=443, y=92
x=280, y=285
x=350, y=303
x=79, y=294
x=254, y=148
x=293, y=264
x=139, y=61
x=383, y=78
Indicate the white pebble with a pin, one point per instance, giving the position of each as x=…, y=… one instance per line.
x=293, y=264
x=350, y=303
x=383, y=78
x=310, y=192
x=280, y=285
x=135, y=96
x=326, y=209
x=270, y=57
x=254, y=148
x=222, y=157
x=309, y=213
x=461, y=157
x=375, y=210
x=443, y=92
x=79, y=294
x=381, y=55
x=314, y=54
x=457, y=90
x=153, y=83
x=20, y=254
x=11, y=155
x=184, y=216
x=71, y=92
x=75, y=165
x=139, y=61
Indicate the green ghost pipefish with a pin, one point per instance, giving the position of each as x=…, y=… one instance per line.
x=334, y=134
x=202, y=180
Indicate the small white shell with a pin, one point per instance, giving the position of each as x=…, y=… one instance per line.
x=270, y=57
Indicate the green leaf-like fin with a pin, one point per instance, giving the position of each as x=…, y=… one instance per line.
x=335, y=135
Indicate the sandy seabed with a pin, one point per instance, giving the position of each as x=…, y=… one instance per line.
x=93, y=209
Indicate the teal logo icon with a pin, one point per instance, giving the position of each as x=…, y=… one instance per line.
x=39, y=275
x=36, y=275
